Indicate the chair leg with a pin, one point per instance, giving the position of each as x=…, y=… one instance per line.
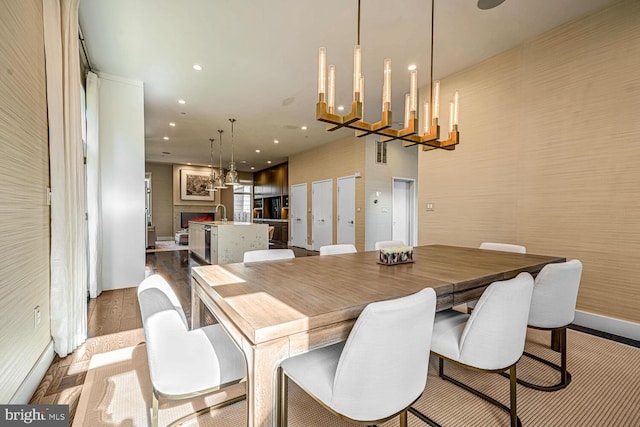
x=512, y=394
x=565, y=376
x=283, y=410
x=515, y=420
x=154, y=411
x=403, y=418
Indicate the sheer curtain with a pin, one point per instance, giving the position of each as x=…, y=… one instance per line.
x=93, y=185
x=68, y=225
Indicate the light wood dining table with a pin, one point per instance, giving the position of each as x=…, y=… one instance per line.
x=277, y=309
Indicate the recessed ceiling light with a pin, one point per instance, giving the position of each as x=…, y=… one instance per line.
x=252, y=168
x=275, y=141
x=243, y=161
x=207, y=165
x=172, y=124
x=166, y=138
x=197, y=67
x=257, y=151
x=181, y=101
x=489, y=4
x=303, y=128
x=166, y=152
x=269, y=161
x=411, y=67
x=340, y=107
x=188, y=164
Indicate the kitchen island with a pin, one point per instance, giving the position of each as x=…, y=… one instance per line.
x=225, y=242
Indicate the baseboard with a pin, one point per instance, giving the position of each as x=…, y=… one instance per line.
x=610, y=325
x=34, y=378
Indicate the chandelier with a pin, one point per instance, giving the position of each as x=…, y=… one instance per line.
x=232, y=175
x=425, y=131
x=211, y=182
x=219, y=181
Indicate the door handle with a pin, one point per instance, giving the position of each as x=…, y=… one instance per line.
x=322, y=220
x=297, y=219
x=350, y=222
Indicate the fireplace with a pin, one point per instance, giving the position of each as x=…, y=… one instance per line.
x=185, y=217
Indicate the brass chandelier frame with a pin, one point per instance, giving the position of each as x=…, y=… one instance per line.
x=409, y=135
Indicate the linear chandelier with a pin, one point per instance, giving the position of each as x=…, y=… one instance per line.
x=425, y=131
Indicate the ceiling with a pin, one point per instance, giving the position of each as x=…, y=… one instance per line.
x=259, y=62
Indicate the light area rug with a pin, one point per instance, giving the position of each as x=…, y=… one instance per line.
x=167, y=246
x=605, y=392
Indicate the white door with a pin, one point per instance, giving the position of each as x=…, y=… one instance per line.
x=298, y=216
x=403, y=210
x=347, y=210
x=322, y=213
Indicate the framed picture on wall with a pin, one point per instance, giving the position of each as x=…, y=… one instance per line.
x=193, y=185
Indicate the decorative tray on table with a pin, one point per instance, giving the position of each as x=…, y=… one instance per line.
x=395, y=255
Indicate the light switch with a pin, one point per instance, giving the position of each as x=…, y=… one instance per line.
x=429, y=206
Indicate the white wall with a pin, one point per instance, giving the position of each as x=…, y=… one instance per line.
x=122, y=181
x=402, y=162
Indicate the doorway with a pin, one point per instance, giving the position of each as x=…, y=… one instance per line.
x=347, y=210
x=298, y=216
x=322, y=213
x=404, y=211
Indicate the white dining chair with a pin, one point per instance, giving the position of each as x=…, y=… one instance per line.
x=338, y=249
x=378, y=372
x=490, y=339
x=501, y=247
x=388, y=244
x=268, y=255
x=180, y=360
x=553, y=307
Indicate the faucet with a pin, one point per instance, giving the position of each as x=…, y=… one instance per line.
x=224, y=218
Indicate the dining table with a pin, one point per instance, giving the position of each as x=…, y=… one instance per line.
x=277, y=309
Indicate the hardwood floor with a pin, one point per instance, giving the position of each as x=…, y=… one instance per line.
x=114, y=322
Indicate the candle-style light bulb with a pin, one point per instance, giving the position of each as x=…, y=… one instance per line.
x=413, y=91
x=357, y=73
x=451, y=117
x=455, y=108
x=407, y=105
x=436, y=99
x=362, y=94
x=322, y=70
x=331, y=92
x=426, y=126
x=386, y=86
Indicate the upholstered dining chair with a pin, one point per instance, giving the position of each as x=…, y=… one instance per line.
x=184, y=363
x=387, y=244
x=553, y=307
x=378, y=372
x=268, y=255
x=337, y=249
x=502, y=247
x=490, y=339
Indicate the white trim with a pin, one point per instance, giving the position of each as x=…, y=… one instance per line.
x=414, y=207
x=30, y=384
x=610, y=325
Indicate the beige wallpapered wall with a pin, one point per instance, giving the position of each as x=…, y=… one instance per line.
x=330, y=161
x=549, y=156
x=24, y=178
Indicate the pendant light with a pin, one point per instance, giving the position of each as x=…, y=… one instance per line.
x=211, y=182
x=232, y=175
x=219, y=182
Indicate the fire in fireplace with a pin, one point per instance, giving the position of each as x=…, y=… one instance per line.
x=185, y=217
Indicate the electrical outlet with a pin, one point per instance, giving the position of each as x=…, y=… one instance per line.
x=429, y=206
x=36, y=316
